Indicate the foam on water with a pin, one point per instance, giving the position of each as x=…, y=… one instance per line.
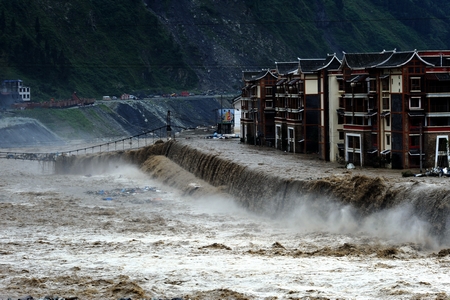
x=187, y=239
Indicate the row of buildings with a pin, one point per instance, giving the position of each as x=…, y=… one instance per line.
x=387, y=109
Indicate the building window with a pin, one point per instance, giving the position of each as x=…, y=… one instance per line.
x=374, y=140
x=354, y=142
x=341, y=85
x=341, y=135
x=278, y=132
x=385, y=84
x=414, y=103
x=268, y=91
x=415, y=84
x=388, y=121
x=269, y=103
x=291, y=132
x=372, y=85
x=414, y=141
x=386, y=102
x=388, y=139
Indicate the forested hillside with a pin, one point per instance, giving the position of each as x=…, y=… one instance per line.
x=100, y=47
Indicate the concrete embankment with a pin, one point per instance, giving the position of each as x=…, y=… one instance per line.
x=277, y=186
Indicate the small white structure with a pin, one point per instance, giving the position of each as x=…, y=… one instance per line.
x=15, y=88
x=237, y=104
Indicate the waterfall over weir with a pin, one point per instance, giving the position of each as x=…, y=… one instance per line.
x=402, y=210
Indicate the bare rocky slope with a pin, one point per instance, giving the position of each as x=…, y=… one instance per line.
x=107, y=120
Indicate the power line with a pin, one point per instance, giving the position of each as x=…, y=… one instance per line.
x=303, y=21
x=128, y=66
x=300, y=21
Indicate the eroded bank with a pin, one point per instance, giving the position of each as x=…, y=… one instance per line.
x=368, y=199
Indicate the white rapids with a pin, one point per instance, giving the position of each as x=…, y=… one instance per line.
x=121, y=234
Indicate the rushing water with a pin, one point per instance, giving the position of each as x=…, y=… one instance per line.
x=119, y=233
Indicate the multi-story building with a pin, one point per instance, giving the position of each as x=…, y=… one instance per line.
x=301, y=100
x=257, y=108
x=359, y=105
x=395, y=108
x=288, y=105
x=388, y=109
x=432, y=103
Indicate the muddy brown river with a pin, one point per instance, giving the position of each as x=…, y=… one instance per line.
x=121, y=234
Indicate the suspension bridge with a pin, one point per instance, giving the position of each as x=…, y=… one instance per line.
x=127, y=143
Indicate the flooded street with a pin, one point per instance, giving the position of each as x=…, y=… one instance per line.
x=121, y=234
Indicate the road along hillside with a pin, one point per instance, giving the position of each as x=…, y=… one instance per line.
x=319, y=196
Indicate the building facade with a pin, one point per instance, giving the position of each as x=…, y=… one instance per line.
x=257, y=108
x=16, y=90
x=386, y=109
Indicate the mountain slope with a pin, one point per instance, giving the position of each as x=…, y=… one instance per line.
x=100, y=47
x=96, y=47
x=108, y=120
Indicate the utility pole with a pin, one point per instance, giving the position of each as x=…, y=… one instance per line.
x=221, y=115
x=168, y=127
x=420, y=146
x=353, y=84
x=255, y=115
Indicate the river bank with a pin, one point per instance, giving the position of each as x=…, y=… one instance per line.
x=277, y=184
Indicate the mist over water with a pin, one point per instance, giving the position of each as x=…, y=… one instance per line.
x=105, y=229
x=395, y=225
x=400, y=222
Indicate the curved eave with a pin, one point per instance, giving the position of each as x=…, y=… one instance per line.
x=368, y=63
x=261, y=75
x=285, y=68
x=406, y=61
x=334, y=58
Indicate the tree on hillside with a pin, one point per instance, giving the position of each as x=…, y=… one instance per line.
x=2, y=22
x=13, y=25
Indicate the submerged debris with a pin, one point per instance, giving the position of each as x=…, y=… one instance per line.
x=434, y=172
x=123, y=192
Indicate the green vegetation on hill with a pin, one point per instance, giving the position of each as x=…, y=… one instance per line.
x=355, y=26
x=94, y=47
x=100, y=47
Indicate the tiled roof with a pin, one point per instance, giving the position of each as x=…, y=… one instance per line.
x=435, y=60
x=317, y=64
x=255, y=75
x=311, y=65
x=438, y=76
x=397, y=59
x=250, y=75
x=438, y=61
x=439, y=58
x=333, y=62
x=401, y=58
x=366, y=60
x=284, y=68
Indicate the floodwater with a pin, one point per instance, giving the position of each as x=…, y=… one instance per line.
x=121, y=234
